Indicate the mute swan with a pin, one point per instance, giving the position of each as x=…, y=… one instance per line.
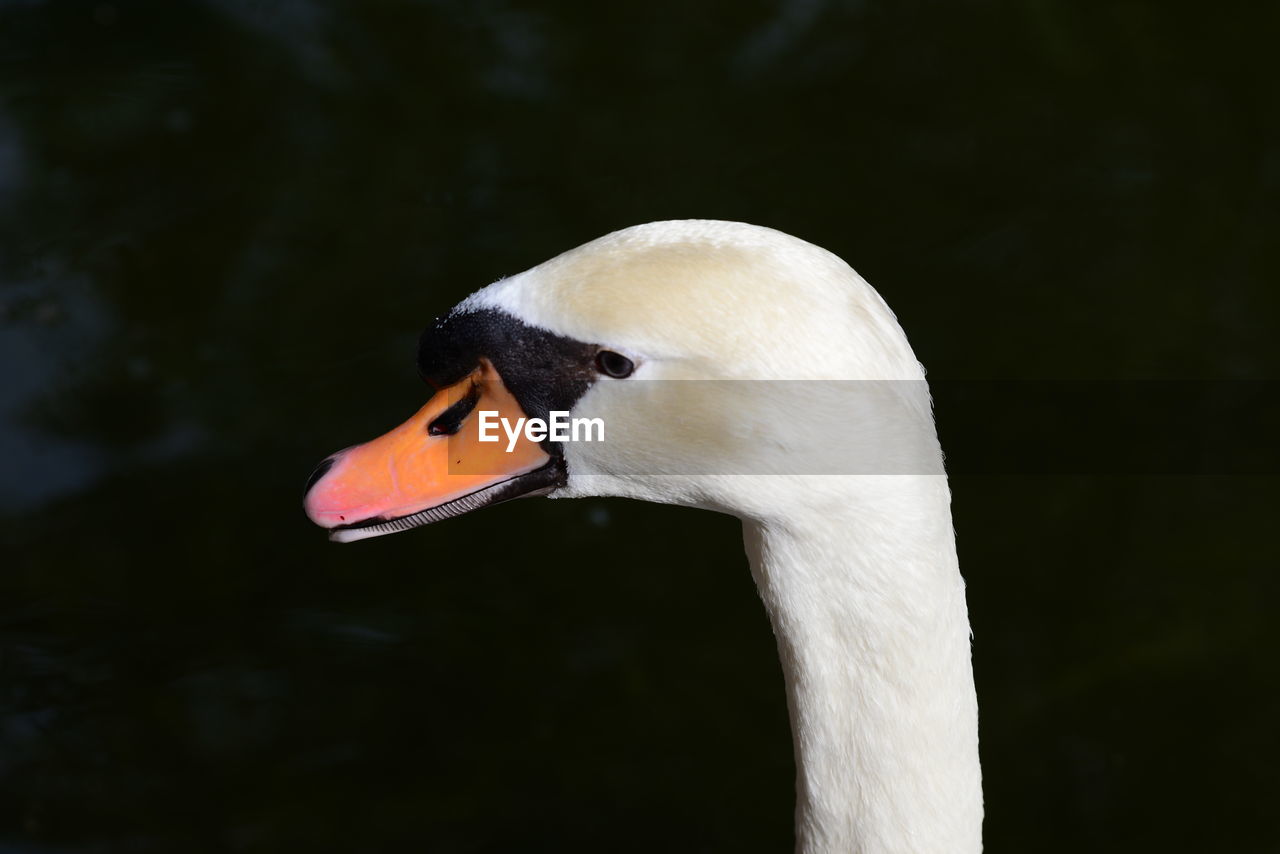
x=845, y=509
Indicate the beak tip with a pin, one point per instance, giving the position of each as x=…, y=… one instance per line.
x=311, y=507
x=319, y=472
x=314, y=495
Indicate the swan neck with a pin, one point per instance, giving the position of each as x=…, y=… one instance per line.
x=868, y=608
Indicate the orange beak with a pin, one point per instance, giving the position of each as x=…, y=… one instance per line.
x=431, y=467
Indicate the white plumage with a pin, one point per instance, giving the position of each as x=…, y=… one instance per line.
x=857, y=568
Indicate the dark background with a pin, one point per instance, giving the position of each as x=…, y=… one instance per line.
x=223, y=223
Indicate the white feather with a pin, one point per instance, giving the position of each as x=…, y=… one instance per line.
x=857, y=568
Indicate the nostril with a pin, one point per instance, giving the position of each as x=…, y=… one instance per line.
x=321, y=471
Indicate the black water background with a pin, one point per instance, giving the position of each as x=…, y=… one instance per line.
x=223, y=223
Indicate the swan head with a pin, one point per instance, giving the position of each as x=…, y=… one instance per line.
x=723, y=363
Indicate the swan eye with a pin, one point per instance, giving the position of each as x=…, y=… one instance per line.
x=614, y=364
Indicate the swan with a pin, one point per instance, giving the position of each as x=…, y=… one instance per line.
x=738, y=369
